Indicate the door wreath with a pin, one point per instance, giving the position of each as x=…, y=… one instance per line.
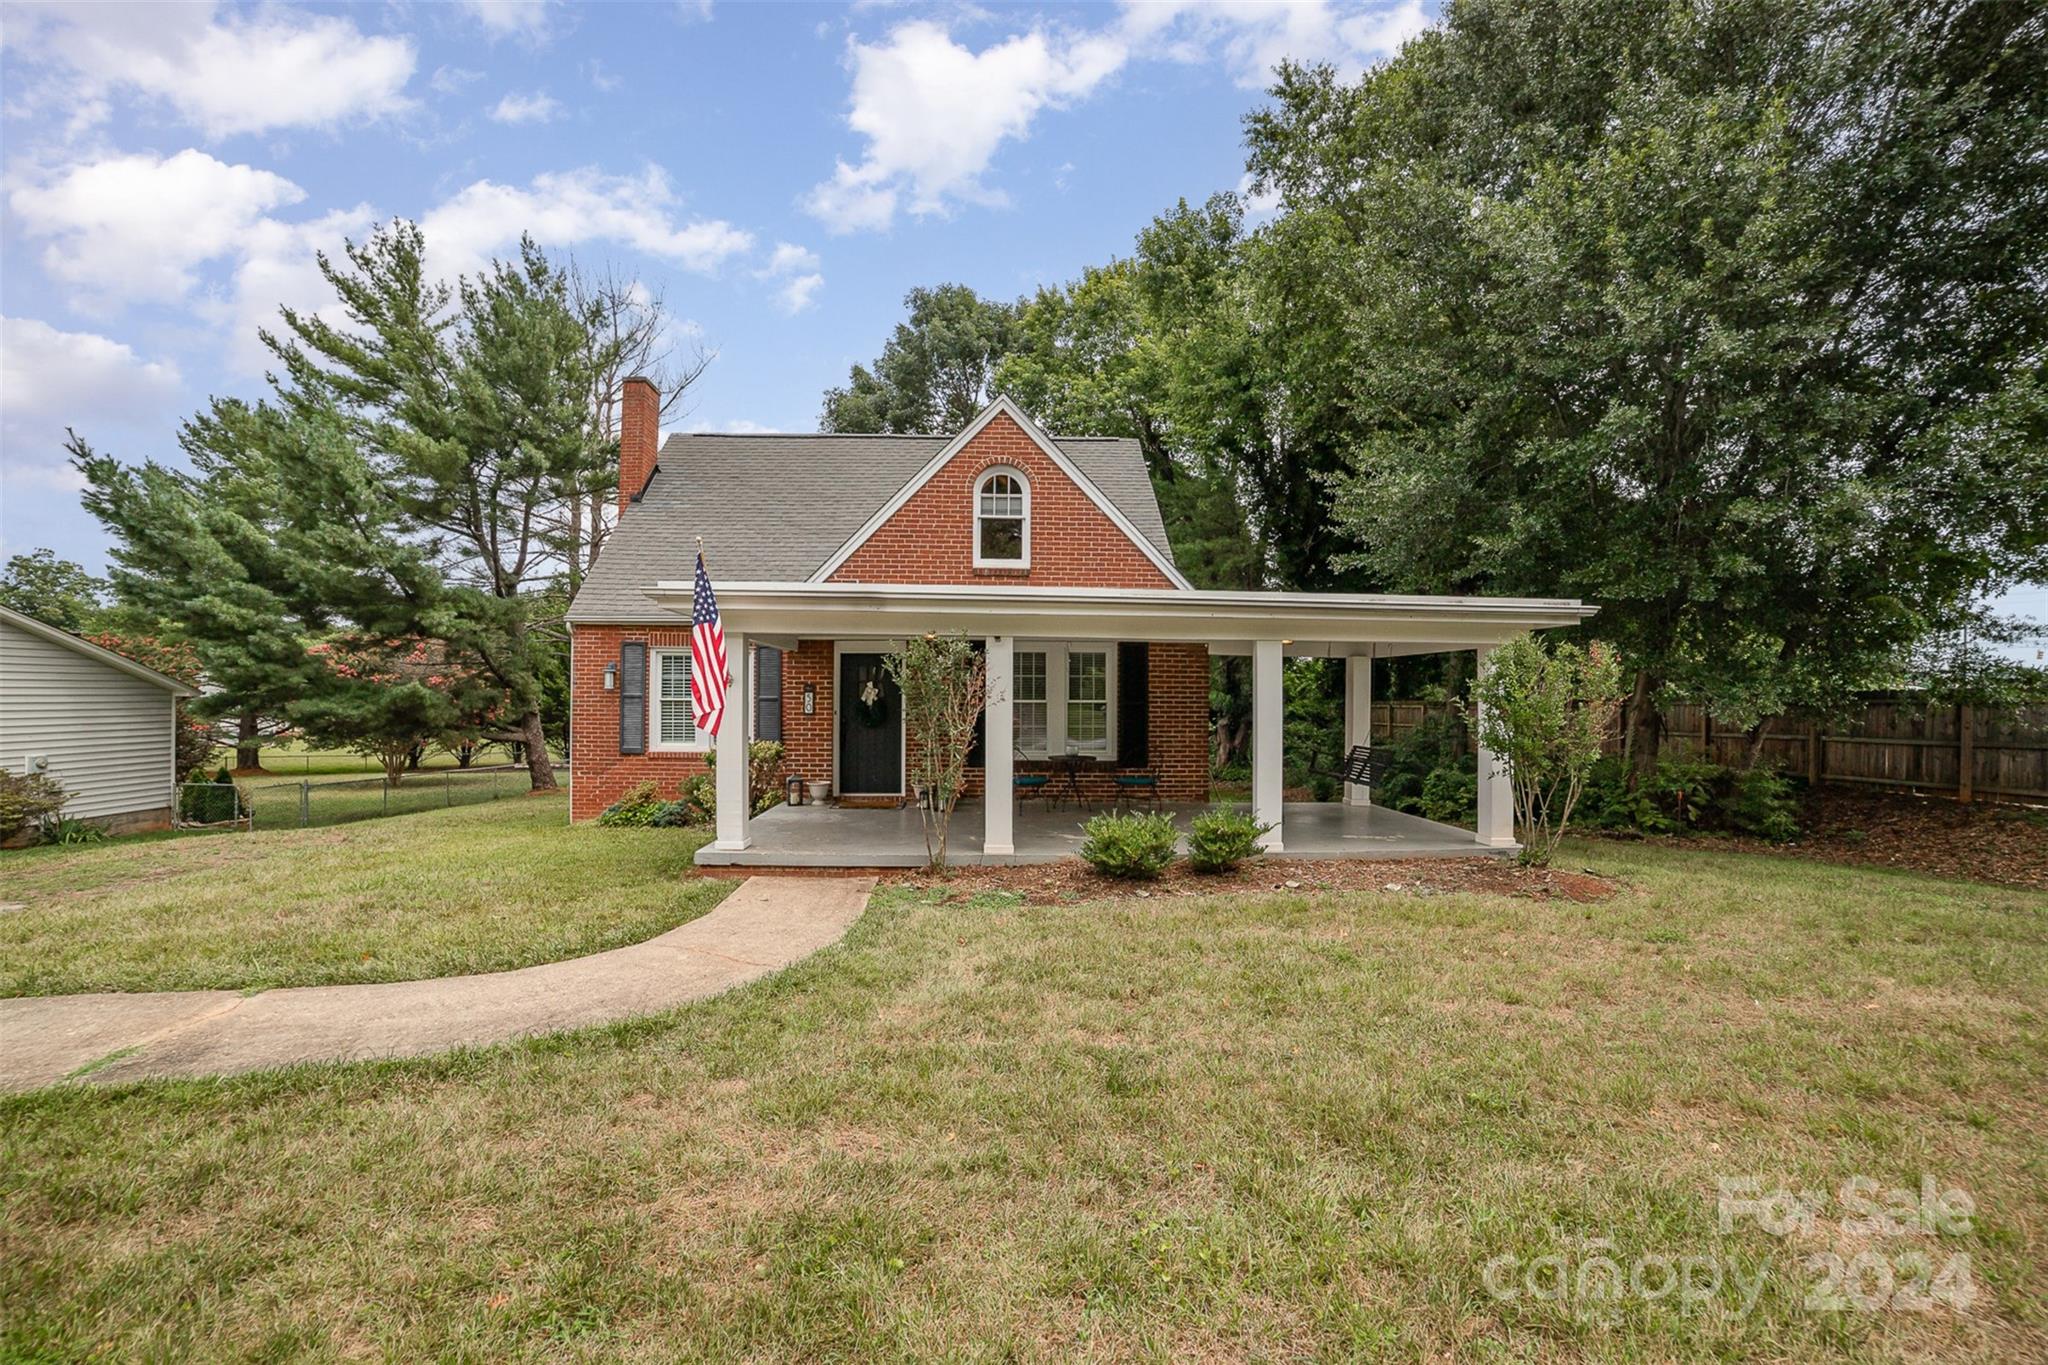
x=870, y=706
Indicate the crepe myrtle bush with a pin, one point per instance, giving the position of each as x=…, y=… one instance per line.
x=1546, y=713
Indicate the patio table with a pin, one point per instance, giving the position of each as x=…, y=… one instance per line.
x=1070, y=766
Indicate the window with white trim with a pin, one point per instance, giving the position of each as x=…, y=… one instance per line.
x=672, y=725
x=1029, y=708
x=1002, y=520
x=1062, y=699
x=1088, y=698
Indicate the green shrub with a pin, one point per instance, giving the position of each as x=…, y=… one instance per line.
x=209, y=800
x=635, y=810
x=1760, y=802
x=27, y=799
x=1450, y=794
x=1688, y=793
x=1132, y=846
x=73, y=832
x=1683, y=788
x=699, y=796
x=1219, y=840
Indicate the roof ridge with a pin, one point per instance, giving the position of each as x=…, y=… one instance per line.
x=858, y=436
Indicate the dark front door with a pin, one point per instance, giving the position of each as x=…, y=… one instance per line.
x=870, y=728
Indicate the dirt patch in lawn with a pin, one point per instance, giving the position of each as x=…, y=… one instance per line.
x=1069, y=882
x=2006, y=845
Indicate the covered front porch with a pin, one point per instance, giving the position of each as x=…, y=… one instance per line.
x=826, y=836
x=1267, y=627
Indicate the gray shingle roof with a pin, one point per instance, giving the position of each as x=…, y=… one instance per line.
x=773, y=508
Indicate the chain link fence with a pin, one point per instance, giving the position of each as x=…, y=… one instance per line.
x=308, y=804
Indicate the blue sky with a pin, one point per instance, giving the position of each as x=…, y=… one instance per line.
x=782, y=174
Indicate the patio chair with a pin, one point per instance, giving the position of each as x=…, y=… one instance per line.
x=1139, y=787
x=1029, y=785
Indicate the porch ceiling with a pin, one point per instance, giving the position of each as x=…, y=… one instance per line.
x=1307, y=623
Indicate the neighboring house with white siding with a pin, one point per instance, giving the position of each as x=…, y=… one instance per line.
x=102, y=725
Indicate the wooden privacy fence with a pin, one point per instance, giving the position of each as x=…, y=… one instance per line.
x=1968, y=750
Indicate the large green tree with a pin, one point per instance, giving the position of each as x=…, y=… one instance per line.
x=55, y=591
x=935, y=370
x=410, y=480
x=1729, y=318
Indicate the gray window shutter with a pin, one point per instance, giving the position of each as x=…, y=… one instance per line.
x=768, y=692
x=633, y=697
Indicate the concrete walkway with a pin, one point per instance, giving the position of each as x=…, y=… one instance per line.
x=766, y=924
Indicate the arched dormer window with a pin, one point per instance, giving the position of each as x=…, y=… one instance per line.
x=1002, y=521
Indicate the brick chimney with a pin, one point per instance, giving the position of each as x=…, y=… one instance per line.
x=639, y=431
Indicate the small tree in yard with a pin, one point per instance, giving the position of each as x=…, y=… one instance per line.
x=1546, y=714
x=944, y=680
x=389, y=698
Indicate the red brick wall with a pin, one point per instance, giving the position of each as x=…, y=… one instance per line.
x=1177, y=733
x=1177, y=736
x=598, y=773
x=807, y=741
x=931, y=537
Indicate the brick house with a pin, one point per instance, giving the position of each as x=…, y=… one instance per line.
x=827, y=550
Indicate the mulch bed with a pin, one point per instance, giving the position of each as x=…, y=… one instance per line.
x=2001, y=844
x=1066, y=883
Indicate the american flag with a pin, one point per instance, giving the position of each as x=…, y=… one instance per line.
x=707, y=655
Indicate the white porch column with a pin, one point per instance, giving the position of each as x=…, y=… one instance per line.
x=999, y=752
x=1268, y=720
x=735, y=802
x=1496, y=797
x=1357, y=719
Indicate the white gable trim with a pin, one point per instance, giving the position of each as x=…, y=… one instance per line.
x=1003, y=405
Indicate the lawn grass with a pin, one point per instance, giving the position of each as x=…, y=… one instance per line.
x=474, y=889
x=1275, y=1127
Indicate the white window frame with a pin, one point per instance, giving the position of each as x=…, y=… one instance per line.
x=699, y=741
x=981, y=483
x=1056, y=654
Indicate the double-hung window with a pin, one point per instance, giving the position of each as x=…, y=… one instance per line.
x=1088, y=699
x=1032, y=701
x=1061, y=699
x=674, y=723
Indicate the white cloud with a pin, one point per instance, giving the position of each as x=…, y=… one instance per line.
x=934, y=112
x=795, y=294
x=226, y=74
x=451, y=80
x=568, y=208
x=788, y=258
x=510, y=18
x=136, y=227
x=600, y=79
x=279, y=269
x=1252, y=37
x=50, y=380
x=1257, y=206
x=740, y=426
x=539, y=107
x=796, y=270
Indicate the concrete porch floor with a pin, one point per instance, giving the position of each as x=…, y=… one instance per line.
x=832, y=836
